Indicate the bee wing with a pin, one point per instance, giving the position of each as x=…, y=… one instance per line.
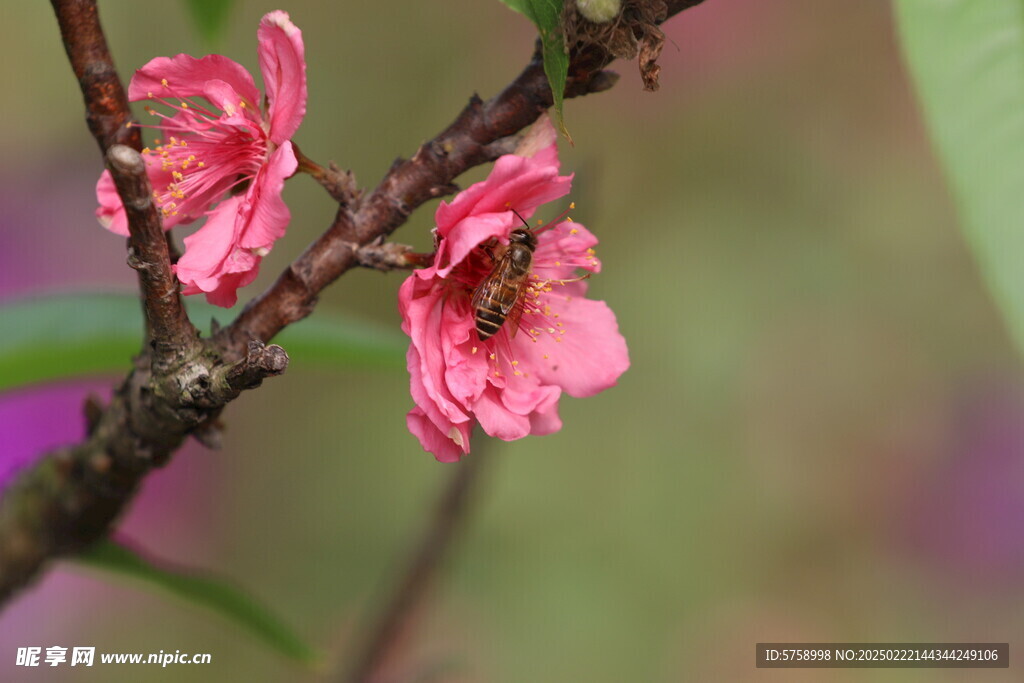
x=485, y=290
x=512, y=321
x=493, y=285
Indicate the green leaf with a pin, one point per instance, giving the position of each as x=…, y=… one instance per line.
x=967, y=58
x=212, y=593
x=546, y=16
x=75, y=335
x=210, y=17
x=67, y=336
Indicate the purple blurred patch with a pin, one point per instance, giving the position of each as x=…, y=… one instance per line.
x=38, y=419
x=48, y=245
x=968, y=516
x=64, y=248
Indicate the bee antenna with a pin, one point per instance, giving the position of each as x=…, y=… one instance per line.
x=521, y=218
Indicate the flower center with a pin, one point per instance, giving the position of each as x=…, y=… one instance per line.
x=206, y=154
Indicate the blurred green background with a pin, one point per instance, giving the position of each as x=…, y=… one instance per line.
x=820, y=438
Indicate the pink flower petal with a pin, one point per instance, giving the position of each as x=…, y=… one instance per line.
x=515, y=182
x=465, y=372
x=509, y=385
x=524, y=396
x=283, y=65
x=206, y=153
x=212, y=263
x=470, y=233
x=225, y=290
x=443, y=447
x=498, y=421
x=186, y=76
x=207, y=248
x=224, y=96
x=110, y=211
x=591, y=355
x=267, y=213
x=442, y=413
x=427, y=382
x=563, y=249
x=540, y=142
x=546, y=422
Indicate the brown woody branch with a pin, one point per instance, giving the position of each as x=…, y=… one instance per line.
x=477, y=136
x=109, y=118
x=180, y=383
x=171, y=334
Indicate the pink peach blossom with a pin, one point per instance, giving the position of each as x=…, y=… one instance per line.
x=509, y=384
x=227, y=145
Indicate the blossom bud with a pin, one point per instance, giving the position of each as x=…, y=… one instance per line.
x=599, y=11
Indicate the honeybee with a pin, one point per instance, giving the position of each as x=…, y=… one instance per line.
x=496, y=300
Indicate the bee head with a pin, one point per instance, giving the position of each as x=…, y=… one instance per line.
x=524, y=237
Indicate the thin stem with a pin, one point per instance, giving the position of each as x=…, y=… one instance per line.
x=391, y=627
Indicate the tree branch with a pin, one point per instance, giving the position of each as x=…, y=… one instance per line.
x=172, y=336
x=109, y=118
x=179, y=383
x=477, y=136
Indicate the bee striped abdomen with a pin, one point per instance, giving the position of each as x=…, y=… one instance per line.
x=497, y=297
x=491, y=314
x=487, y=323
